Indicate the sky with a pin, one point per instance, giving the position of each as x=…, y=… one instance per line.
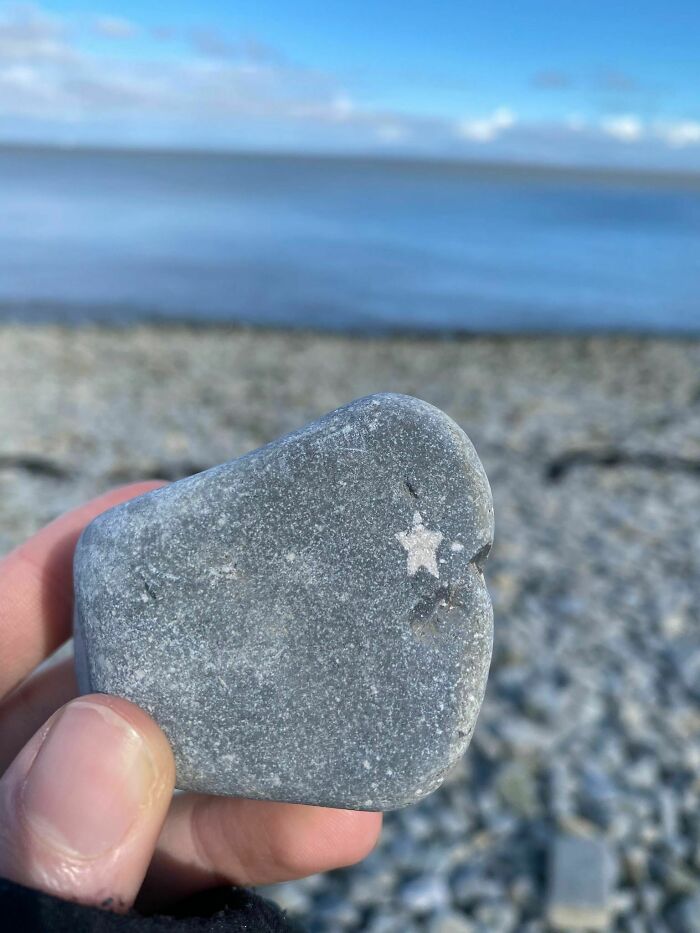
x=583, y=82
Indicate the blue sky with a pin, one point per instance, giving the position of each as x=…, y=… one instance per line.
x=598, y=82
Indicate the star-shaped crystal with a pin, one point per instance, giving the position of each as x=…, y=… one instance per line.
x=421, y=546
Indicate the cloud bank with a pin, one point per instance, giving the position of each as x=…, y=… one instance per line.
x=242, y=92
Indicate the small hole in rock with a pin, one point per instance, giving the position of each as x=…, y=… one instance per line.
x=412, y=487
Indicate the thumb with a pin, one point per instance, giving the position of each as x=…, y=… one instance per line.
x=83, y=803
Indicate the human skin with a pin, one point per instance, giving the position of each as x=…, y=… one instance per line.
x=105, y=829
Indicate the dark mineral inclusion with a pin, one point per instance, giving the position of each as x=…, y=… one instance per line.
x=309, y=622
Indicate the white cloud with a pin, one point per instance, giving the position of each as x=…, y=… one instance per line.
x=29, y=35
x=343, y=107
x=115, y=27
x=18, y=75
x=679, y=134
x=626, y=128
x=43, y=74
x=391, y=132
x=486, y=129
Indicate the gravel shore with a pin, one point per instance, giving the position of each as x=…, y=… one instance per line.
x=576, y=806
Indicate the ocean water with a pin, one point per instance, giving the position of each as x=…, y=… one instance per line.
x=355, y=245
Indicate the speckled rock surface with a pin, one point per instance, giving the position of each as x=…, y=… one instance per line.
x=309, y=622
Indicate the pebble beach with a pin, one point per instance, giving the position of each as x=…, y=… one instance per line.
x=577, y=805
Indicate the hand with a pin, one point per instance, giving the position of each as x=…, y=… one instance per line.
x=86, y=805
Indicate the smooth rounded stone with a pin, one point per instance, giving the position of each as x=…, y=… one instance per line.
x=308, y=623
x=373, y=887
x=470, y=887
x=333, y=912
x=450, y=922
x=387, y=921
x=424, y=894
x=581, y=874
x=685, y=915
x=290, y=897
x=405, y=853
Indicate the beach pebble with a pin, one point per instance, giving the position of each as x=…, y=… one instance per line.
x=450, y=922
x=289, y=896
x=686, y=914
x=424, y=894
x=309, y=622
x=581, y=877
x=517, y=785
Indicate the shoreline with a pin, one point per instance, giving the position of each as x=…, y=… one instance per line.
x=199, y=325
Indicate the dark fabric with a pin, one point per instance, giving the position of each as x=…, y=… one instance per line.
x=224, y=910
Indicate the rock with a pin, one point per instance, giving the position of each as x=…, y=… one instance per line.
x=450, y=922
x=560, y=790
x=496, y=918
x=289, y=896
x=524, y=738
x=686, y=914
x=580, y=896
x=425, y=894
x=469, y=887
x=677, y=879
x=668, y=812
x=516, y=783
x=405, y=853
x=387, y=921
x=334, y=912
x=307, y=623
x=651, y=900
x=598, y=796
x=636, y=864
x=543, y=701
x=368, y=888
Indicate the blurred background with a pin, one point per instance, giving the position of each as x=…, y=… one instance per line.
x=218, y=222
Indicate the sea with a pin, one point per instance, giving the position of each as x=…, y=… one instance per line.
x=345, y=244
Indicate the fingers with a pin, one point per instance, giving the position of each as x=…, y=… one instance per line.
x=36, y=588
x=31, y=703
x=82, y=805
x=218, y=840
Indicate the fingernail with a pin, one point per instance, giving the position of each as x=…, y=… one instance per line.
x=89, y=781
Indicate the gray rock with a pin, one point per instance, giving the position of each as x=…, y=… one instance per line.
x=686, y=915
x=425, y=894
x=560, y=790
x=598, y=796
x=469, y=887
x=450, y=922
x=387, y=921
x=581, y=875
x=309, y=622
x=516, y=782
x=370, y=888
x=289, y=896
x=496, y=918
x=651, y=898
x=333, y=912
x=405, y=853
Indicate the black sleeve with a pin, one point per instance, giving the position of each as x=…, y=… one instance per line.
x=224, y=910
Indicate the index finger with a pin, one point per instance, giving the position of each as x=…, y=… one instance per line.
x=36, y=587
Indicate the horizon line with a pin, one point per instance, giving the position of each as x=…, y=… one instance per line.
x=597, y=171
